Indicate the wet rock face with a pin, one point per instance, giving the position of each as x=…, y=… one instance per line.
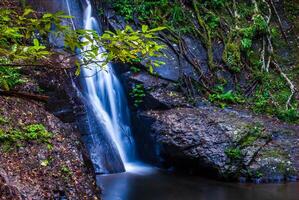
x=226, y=144
x=103, y=154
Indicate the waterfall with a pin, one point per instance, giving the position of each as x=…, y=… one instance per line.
x=109, y=137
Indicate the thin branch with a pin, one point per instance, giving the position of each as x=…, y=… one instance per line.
x=263, y=55
x=279, y=21
x=25, y=95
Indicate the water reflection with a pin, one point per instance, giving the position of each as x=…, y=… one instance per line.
x=162, y=186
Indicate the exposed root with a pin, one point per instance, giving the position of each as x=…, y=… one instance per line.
x=291, y=85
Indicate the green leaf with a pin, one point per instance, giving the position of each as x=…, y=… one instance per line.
x=44, y=163
x=144, y=28
x=35, y=42
x=47, y=15
x=27, y=11
x=78, y=70
x=246, y=43
x=157, y=29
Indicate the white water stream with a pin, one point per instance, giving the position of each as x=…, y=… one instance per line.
x=107, y=98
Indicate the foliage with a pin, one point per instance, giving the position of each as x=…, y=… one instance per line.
x=271, y=97
x=154, y=13
x=223, y=98
x=251, y=134
x=22, y=33
x=9, y=77
x=135, y=69
x=24, y=39
x=137, y=93
x=126, y=45
x=243, y=29
x=212, y=20
x=232, y=56
x=37, y=132
x=16, y=137
x=234, y=153
x=46, y=162
x=65, y=170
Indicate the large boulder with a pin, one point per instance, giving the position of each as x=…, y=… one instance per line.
x=201, y=138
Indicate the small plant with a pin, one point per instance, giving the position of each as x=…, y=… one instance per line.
x=260, y=23
x=232, y=57
x=9, y=77
x=271, y=97
x=246, y=43
x=135, y=69
x=37, y=132
x=234, y=153
x=46, y=162
x=212, y=21
x=223, y=98
x=16, y=137
x=154, y=13
x=65, y=170
x=291, y=115
x=3, y=120
x=137, y=94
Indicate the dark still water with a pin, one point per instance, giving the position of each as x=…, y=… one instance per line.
x=155, y=185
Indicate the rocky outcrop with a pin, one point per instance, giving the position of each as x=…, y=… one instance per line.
x=222, y=143
x=194, y=136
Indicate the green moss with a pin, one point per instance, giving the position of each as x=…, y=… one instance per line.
x=247, y=138
x=234, y=153
x=251, y=134
x=18, y=137
x=275, y=153
x=232, y=57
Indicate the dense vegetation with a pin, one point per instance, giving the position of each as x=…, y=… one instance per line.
x=251, y=33
x=253, y=38
x=24, y=42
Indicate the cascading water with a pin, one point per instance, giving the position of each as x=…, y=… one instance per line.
x=110, y=141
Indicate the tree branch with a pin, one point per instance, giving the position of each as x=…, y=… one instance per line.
x=25, y=95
